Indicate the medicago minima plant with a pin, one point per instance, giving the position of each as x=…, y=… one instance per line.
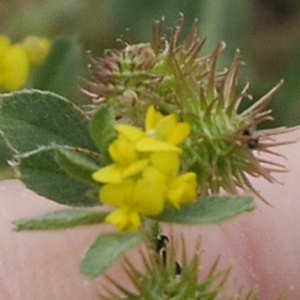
x=163, y=140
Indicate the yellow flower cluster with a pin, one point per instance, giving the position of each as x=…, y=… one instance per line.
x=143, y=177
x=16, y=60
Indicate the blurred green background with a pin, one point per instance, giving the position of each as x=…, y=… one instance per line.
x=266, y=31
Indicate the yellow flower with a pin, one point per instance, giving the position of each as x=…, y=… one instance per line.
x=14, y=65
x=37, y=49
x=143, y=175
x=132, y=151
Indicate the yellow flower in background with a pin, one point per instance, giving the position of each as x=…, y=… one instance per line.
x=37, y=49
x=14, y=65
x=16, y=60
x=4, y=45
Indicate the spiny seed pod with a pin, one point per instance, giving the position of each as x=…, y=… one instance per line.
x=160, y=280
x=221, y=148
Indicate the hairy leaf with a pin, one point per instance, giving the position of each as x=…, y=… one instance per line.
x=31, y=118
x=61, y=220
x=212, y=209
x=77, y=163
x=105, y=250
x=102, y=129
x=40, y=173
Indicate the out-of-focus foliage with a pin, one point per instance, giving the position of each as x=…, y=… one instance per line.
x=266, y=32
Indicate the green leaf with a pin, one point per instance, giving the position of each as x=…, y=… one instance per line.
x=78, y=163
x=105, y=250
x=32, y=118
x=59, y=72
x=212, y=209
x=61, y=220
x=102, y=127
x=40, y=173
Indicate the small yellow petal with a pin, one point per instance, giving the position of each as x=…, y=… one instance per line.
x=117, y=194
x=124, y=219
x=152, y=117
x=148, y=198
x=183, y=190
x=156, y=177
x=117, y=172
x=165, y=126
x=148, y=144
x=178, y=134
x=167, y=162
x=111, y=173
x=133, y=134
x=134, y=168
x=122, y=150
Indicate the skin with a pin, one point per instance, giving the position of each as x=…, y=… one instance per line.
x=264, y=244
